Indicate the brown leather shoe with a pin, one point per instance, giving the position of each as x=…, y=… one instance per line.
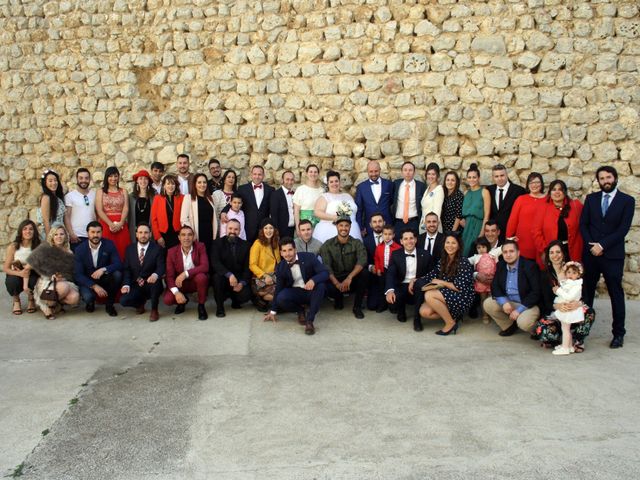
x=154, y=315
x=140, y=309
x=301, y=319
x=309, y=329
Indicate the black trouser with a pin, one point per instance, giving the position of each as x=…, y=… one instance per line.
x=611, y=270
x=222, y=290
x=375, y=292
x=399, y=226
x=138, y=295
x=15, y=285
x=358, y=287
x=404, y=297
x=109, y=281
x=293, y=299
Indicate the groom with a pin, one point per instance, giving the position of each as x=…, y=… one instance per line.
x=372, y=196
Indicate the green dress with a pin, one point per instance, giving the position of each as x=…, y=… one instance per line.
x=473, y=213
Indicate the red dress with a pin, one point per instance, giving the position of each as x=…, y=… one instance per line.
x=546, y=229
x=522, y=221
x=113, y=204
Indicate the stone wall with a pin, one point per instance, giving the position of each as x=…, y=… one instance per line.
x=539, y=85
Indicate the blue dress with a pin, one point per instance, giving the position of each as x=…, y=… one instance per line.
x=457, y=302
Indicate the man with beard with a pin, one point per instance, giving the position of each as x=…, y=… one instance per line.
x=156, y=172
x=503, y=195
x=184, y=176
x=376, y=282
x=97, y=269
x=215, y=182
x=373, y=196
x=431, y=241
x=305, y=242
x=231, y=274
x=144, y=268
x=81, y=208
x=346, y=259
x=604, y=223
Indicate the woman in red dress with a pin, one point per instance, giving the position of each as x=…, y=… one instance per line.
x=523, y=215
x=112, y=208
x=558, y=219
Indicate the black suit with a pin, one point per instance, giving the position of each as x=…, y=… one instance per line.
x=609, y=231
x=394, y=278
x=436, y=249
x=227, y=260
x=414, y=222
x=501, y=216
x=253, y=214
x=376, y=283
x=153, y=263
x=279, y=210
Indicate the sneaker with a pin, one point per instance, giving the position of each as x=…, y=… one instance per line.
x=562, y=351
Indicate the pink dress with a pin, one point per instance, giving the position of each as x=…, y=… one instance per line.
x=113, y=204
x=487, y=267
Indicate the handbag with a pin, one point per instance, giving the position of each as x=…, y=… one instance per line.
x=50, y=293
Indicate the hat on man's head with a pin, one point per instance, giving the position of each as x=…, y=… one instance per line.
x=342, y=218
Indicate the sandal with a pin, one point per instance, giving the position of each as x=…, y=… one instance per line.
x=17, y=310
x=31, y=307
x=578, y=347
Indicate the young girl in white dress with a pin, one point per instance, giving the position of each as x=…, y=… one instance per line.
x=570, y=290
x=330, y=206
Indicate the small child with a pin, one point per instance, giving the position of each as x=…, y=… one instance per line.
x=570, y=290
x=485, y=269
x=236, y=213
x=381, y=258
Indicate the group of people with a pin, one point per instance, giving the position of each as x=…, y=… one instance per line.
x=529, y=259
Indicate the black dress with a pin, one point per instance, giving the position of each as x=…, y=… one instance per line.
x=451, y=209
x=205, y=225
x=170, y=236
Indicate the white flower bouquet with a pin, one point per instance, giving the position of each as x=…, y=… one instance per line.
x=344, y=209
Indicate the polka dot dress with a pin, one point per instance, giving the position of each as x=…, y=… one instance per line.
x=457, y=302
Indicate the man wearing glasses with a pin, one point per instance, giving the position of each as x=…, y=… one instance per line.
x=80, y=211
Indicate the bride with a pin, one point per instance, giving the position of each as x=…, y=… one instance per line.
x=327, y=207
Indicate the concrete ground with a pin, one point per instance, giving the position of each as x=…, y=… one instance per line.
x=93, y=397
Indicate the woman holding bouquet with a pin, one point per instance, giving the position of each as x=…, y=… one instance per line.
x=332, y=205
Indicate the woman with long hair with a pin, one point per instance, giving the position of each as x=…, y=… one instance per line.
x=263, y=258
x=452, y=203
x=19, y=275
x=476, y=207
x=558, y=218
x=54, y=262
x=523, y=215
x=165, y=213
x=199, y=213
x=140, y=202
x=229, y=186
x=52, y=206
x=448, y=287
x=332, y=205
x=433, y=197
x=306, y=195
x=112, y=209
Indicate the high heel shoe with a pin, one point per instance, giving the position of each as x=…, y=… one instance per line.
x=453, y=330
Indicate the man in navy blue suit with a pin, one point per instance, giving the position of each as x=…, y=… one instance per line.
x=144, y=268
x=605, y=221
x=97, y=269
x=300, y=281
x=376, y=282
x=374, y=195
x=406, y=209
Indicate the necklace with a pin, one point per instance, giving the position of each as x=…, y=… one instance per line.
x=141, y=205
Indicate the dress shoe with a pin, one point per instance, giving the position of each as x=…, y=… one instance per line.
x=154, y=315
x=444, y=333
x=402, y=317
x=220, y=313
x=617, y=342
x=357, y=312
x=338, y=303
x=90, y=307
x=180, y=308
x=202, y=312
x=309, y=329
x=301, y=318
x=140, y=309
x=473, y=311
x=393, y=309
x=236, y=305
x=381, y=308
x=417, y=324
x=111, y=311
x=510, y=330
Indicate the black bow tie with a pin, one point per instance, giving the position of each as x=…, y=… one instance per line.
x=376, y=182
x=294, y=263
x=410, y=255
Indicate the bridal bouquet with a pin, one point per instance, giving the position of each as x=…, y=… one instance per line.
x=344, y=209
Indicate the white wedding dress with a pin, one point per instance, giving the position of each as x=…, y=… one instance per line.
x=325, y=229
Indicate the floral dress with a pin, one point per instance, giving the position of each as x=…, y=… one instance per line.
x=59, y=219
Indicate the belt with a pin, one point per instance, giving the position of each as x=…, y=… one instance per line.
x=409, y=220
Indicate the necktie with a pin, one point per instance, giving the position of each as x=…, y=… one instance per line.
x=410, y=255
x=405, y=209
x=141, y=257
x=500, y=198
x=255, y=187
x=605, y=204
x=378, y=239
x=376, y=182
x=429, y=245
x=290, y=192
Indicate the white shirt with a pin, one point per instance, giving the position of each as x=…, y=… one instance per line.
x=611, y=194
x=258, y=193
x=187, y=262
x=378, y=238
x=296, y=273
x=289, y=205
x=184, y=184
x=387, y=253
x=505, y=189
x=376, y=190
x=94, y=254
x=157, y=187
x=411, y=266
x=141, y=247
x=81, y=213
x=413, y=210
x=426, y=243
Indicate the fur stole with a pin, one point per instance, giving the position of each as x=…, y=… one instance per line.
x=47, y=260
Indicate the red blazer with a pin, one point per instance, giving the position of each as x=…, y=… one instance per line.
x=378, y=255
x=175, y=266
x=159, y=221
x=545, y=229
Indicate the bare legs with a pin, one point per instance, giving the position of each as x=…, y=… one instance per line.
x=435, y=307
